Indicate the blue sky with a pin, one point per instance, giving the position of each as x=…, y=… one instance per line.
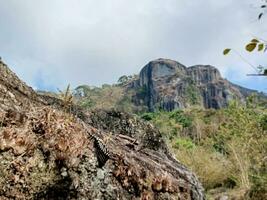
x=55, y=42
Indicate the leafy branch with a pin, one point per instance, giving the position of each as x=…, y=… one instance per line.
x=256, y=43
x=260, y=45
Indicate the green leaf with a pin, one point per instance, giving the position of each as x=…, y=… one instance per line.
x=254, y=41
x=260, y=47
x=251, y=46
x=226, y=51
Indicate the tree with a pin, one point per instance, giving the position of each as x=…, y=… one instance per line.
x=123, y=79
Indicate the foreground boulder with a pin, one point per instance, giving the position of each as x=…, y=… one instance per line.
x=46, y=153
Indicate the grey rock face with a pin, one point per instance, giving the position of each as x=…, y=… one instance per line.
x=203, y=74
x=166, y=84
x=160, y=69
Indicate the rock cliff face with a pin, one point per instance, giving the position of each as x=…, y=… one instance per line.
x=46, y=153
x=168, y=85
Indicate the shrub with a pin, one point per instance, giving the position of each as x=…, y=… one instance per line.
x=212, y=168
x=259, y=189
x=148, y=116
x=263, y=122
x=142, y=92
x=181, y=118
x=192, y=94
x=185, y=143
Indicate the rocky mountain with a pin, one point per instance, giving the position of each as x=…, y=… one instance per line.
x=50, y=152
x=168, y=85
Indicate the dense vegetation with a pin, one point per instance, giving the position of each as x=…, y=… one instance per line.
x=226, y=148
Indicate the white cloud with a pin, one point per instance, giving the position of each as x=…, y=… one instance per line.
x=96, y=41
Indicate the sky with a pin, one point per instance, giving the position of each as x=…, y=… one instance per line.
x=53, y=43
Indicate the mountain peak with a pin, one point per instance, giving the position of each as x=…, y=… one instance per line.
x=160, y=68
x=169, y=85
x=167, y=62
x=204, y=73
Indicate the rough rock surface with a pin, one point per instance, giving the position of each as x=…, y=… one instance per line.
x=46, y=153
x=168, y=85
x=15, y=94
x=120, y=123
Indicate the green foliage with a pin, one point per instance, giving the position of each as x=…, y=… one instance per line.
x=87, y=104
x=192, y=94
x=123, y=79
x=169, y=123
x=263, y=122
x=261, y=47
x=185, y=143
x=258, y=189
x=148, y=116
x=142, y=91
x=181, y=118
x=251, y=46
x=226, y=51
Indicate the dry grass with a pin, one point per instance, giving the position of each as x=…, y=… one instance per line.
x=241, y=164
x=55, y=132
x=35, y=146
x=66, y=97
x=212, y=168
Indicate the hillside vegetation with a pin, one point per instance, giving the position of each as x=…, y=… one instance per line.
x=226, y=148
x=106, y=97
